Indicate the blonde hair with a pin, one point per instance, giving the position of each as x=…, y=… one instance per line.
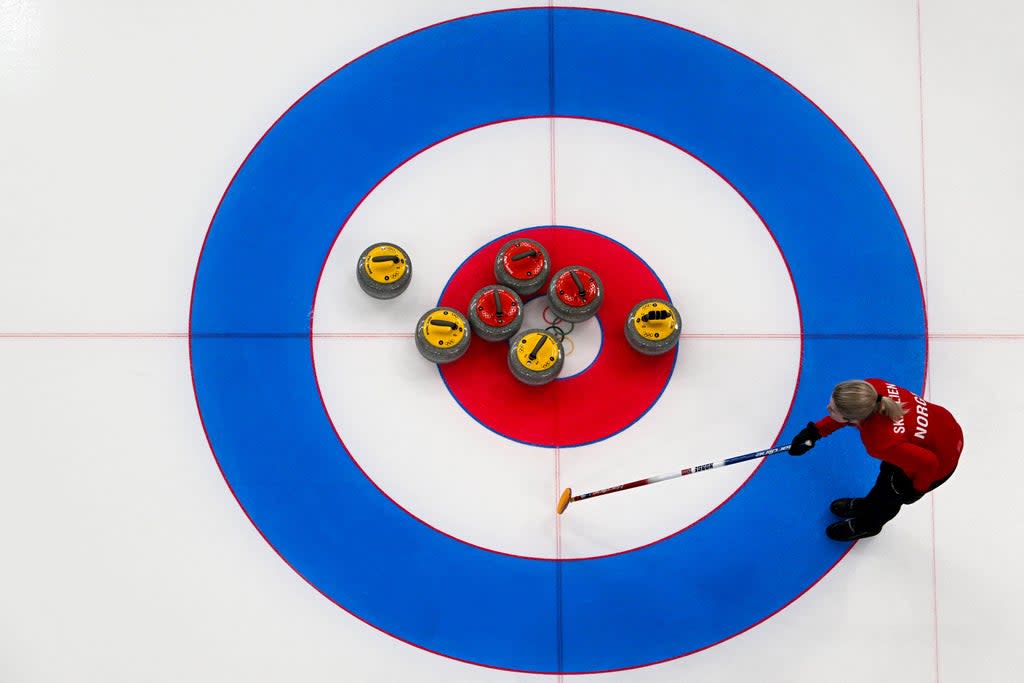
x=856, y=400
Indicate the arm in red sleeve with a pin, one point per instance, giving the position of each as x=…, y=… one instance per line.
x=920, y=463
x=827, y=425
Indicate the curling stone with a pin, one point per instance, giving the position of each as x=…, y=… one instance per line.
x=496, y=313
x=653, y=327
x=442, y=335
x=384, y=270
x=523, y=265
x=535, y=357
x=575, y=294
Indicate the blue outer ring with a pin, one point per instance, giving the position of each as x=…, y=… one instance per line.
x=856, y=280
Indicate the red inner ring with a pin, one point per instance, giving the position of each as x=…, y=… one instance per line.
x=613, y=392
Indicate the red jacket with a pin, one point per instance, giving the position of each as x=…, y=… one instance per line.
x=925, y=443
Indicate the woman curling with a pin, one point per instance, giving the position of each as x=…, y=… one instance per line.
x=918, y=442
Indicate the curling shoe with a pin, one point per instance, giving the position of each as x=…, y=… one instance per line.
x=848, y=530
x=846, y=507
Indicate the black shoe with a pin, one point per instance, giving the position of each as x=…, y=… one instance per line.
x=846, y=507
x=848, y=530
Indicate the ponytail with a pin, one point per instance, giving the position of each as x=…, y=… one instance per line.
x=890, y=408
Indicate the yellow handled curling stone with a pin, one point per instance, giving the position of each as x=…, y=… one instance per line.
x=535, y=357
x=653, y=327
x=442, y=335
x=384, y=270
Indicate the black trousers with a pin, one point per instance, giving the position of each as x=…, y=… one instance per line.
x=892, y=490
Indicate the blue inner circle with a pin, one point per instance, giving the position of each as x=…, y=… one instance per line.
x=856, y=281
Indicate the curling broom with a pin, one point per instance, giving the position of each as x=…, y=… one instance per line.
x=567, y=497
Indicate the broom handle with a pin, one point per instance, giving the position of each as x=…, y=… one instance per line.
x=682, y=473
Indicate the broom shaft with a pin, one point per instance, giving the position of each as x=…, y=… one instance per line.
x=682, y=473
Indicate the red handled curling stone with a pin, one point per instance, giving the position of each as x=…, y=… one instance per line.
x=575, y=294
x=496, y=313
x=653, y=327
x=442, y=335
x=523, y=265
x=535, y=357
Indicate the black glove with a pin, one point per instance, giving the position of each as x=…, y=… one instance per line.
x=804, y=440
